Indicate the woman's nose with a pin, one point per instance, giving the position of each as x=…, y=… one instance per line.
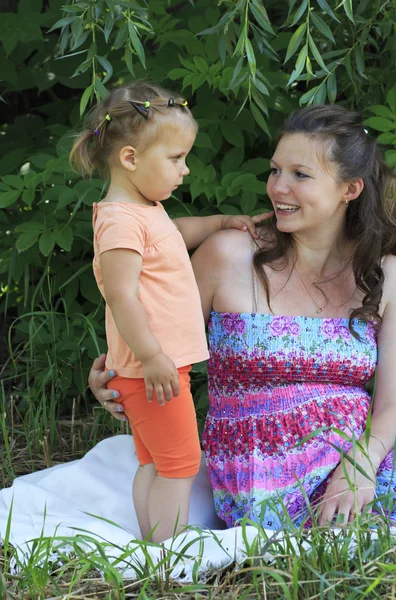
x=280, y=185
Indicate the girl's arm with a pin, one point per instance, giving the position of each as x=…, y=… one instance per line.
x=120, y=270
x=195, y=230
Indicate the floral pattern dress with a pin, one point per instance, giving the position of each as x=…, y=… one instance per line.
x=273, y=382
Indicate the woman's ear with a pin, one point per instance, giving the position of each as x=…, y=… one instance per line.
x=128, y=157
x=354, y=189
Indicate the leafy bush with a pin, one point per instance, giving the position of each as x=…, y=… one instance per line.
x=243, y=66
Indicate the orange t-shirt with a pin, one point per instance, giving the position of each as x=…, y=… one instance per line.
x=167, y=286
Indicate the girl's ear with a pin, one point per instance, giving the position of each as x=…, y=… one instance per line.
x=127, y=156
x=354, y=189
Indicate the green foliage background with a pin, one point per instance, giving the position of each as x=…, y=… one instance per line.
x=244, y=65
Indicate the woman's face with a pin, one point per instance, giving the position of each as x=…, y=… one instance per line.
x=303, y=189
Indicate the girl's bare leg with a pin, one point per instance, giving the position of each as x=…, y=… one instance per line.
x=168, y=506
x=144, y=478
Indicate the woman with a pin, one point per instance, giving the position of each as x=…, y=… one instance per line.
x=294, y=340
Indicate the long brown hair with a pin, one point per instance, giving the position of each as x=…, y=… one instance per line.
x=115, y=122
x=370, y=219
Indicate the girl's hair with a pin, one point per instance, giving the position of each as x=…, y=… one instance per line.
x=129, y=115
x=370, y=219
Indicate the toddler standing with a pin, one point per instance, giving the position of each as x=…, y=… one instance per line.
x=139, y=137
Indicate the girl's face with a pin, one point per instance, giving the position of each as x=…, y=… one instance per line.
x=303, y=190
x=161, y=168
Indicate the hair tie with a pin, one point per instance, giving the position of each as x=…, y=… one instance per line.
x=141, y=107
x=185, y=103
x=97, y=130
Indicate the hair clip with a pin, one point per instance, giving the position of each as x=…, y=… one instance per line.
x=141, y=107
x=171, y=102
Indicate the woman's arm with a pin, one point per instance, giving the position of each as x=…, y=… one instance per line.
x=380, y=440
x=383, y=421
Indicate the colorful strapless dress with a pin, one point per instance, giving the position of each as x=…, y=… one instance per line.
x=273, y=381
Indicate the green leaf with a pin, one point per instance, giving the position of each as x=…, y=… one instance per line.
x=177, y=73
x=391, y=98
x=107, y=67
x=308, y=97
x=257, y=165
x=251, y=57
x=121, y=37
x=387, y=138
x=136, y=43
x=248, y=202
x=129, y=59
x=233, y=159
x=257, y=186
x=381, y=111
x=232, y=133
x=295, y=41
x=64, y=237
x=348, y=9
x=261, y=87
x=85, y=98
x=299, y=65
x=8, y=198
x=299, y=13
x=14, y=181
x=41, y=160
x=380, y=124
x=322, y=26
x=360, y=62
x=332, y=87
x=316, y=53
x=28, y=197
x=203, y=140
x=46, y=242
x=258, y=117
x=30, y=227
x=201, y=64
x=62, y=23
x=26, y=240
x=108, y=26
x=100, y=90
x=326, y=8
x=261, y=16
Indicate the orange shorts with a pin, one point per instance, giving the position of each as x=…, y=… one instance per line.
x=164, y=435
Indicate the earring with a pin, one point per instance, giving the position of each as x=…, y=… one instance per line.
x=346, y=203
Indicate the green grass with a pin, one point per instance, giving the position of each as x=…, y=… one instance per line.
x=323, y=563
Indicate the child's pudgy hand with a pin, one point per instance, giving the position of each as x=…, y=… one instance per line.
x=161, y=377
x=245, y=223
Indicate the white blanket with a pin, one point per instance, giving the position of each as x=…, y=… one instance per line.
x=78, y=499
x=73, y=498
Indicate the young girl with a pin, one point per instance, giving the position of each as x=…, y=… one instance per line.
x=140, y=136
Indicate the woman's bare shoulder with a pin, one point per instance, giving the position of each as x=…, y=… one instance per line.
x=223, y=248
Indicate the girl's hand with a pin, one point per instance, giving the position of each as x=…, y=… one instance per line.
x=161, y=376
x=245, y=223
x=97, y=380
x=340, y=499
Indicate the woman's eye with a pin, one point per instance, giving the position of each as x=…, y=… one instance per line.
x=274, y=171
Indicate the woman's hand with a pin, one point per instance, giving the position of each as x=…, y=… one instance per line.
x=340, y=499
x=97, y=380
x=245, y=223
